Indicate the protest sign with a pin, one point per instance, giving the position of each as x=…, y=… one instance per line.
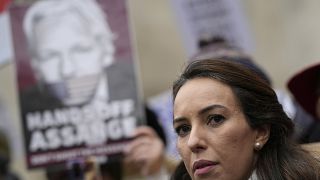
x=202, y=19
x=76, y=79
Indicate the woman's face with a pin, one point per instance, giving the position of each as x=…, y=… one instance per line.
x=214, y=138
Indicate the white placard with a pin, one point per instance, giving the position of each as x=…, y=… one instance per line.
x=198, y=19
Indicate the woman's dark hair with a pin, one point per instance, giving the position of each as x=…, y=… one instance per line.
x=280, y=158
x=180, y=173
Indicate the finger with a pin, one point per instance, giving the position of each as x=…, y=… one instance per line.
x=146, y=159
x=142, y=134
x=135, y=143
x=141, y=153
x=145, y=131
x=137, y=157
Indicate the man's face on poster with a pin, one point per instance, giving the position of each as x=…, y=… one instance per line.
x=68, y=58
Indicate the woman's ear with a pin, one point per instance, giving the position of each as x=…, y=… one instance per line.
x=263, y=134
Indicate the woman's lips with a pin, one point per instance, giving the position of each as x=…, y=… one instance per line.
x=201, y=167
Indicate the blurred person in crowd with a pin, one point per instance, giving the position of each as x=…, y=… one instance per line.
x=305, y=87
x=224, y=112
x=218, y=48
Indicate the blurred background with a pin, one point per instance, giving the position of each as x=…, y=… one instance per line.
x=285, y=37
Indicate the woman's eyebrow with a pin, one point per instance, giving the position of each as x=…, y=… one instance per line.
x=201, y=112
x=178, y=119
x=211, y=107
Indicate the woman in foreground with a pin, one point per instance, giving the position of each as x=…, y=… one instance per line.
x=231, y=126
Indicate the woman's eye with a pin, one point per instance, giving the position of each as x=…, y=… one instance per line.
x=215, y=119
x=182, y=130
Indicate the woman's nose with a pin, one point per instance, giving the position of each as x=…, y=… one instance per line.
x=196, y=141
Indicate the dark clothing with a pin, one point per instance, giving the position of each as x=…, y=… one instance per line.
x=307, y=128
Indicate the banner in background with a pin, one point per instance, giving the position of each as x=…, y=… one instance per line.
x=76, y=79
x=202, y=19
